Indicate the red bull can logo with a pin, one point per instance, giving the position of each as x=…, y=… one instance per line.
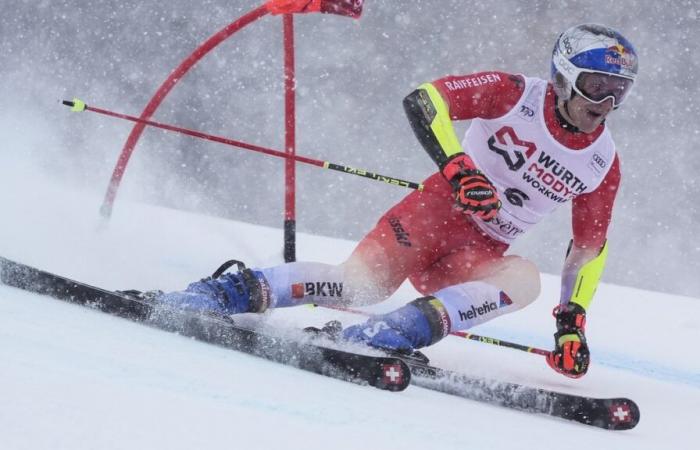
x=618, y=55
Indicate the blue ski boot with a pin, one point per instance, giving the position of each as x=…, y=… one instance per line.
x=245, y=291
x=420, y=323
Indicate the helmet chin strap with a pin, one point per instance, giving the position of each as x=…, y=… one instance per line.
x=563, y=121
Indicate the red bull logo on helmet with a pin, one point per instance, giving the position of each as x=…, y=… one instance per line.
x=618, y=55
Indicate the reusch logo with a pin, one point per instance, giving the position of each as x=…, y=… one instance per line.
x=318, y=288
x=483, y=194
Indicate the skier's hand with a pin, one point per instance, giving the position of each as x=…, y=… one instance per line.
x=474, y=192
x=570, y=356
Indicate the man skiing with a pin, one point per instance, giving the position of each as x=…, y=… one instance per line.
x=532, y=145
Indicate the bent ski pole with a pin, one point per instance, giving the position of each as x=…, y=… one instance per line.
x=79, y=106
x=464, y=334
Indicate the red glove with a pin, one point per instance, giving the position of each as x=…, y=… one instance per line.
x=473, y=191
x=570, y=356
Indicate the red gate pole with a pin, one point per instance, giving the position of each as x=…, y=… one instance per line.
x=290, y=141
x=163, y=90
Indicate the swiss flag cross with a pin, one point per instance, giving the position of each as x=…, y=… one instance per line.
x=393, y=374
x=620, y=413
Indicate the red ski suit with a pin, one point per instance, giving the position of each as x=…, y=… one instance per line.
x=425, y=239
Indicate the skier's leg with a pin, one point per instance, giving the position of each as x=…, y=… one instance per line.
x=301, y=283
x=517, y=277
x=496, y=287
x=499, y=287
x=409, y=238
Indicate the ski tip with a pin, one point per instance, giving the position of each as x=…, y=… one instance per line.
x=623, y=414
x=394, y=375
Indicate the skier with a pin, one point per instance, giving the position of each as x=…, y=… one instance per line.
x=532, y=146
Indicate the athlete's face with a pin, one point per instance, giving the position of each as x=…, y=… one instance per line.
x=587, y=116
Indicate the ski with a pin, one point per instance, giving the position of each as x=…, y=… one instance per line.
x=383, y=372
x=610, y=413
x=391, y=372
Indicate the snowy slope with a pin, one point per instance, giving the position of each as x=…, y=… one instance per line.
x=72, y=378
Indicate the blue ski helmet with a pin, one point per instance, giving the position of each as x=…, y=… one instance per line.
x=595, y=62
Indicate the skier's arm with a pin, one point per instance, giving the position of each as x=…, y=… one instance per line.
x=429, y=116
x=585, y=261
x=432, y=107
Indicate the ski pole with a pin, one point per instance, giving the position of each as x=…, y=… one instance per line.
x=464, y=334
x=500, y=343
x=79, y=106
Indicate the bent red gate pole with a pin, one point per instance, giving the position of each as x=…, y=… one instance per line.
x=162, y=92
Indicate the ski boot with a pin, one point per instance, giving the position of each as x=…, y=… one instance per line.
x=245, y=291
x=420, y=323
x=333, y=331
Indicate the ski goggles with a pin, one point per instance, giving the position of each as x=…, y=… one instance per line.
x=597, y=87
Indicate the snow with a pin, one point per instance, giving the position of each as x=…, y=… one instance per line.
x=77, y=379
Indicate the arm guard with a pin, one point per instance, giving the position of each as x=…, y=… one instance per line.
x=581, y=275
x=429, y=116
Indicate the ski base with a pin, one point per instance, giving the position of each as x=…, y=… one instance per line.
x=387, y=373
